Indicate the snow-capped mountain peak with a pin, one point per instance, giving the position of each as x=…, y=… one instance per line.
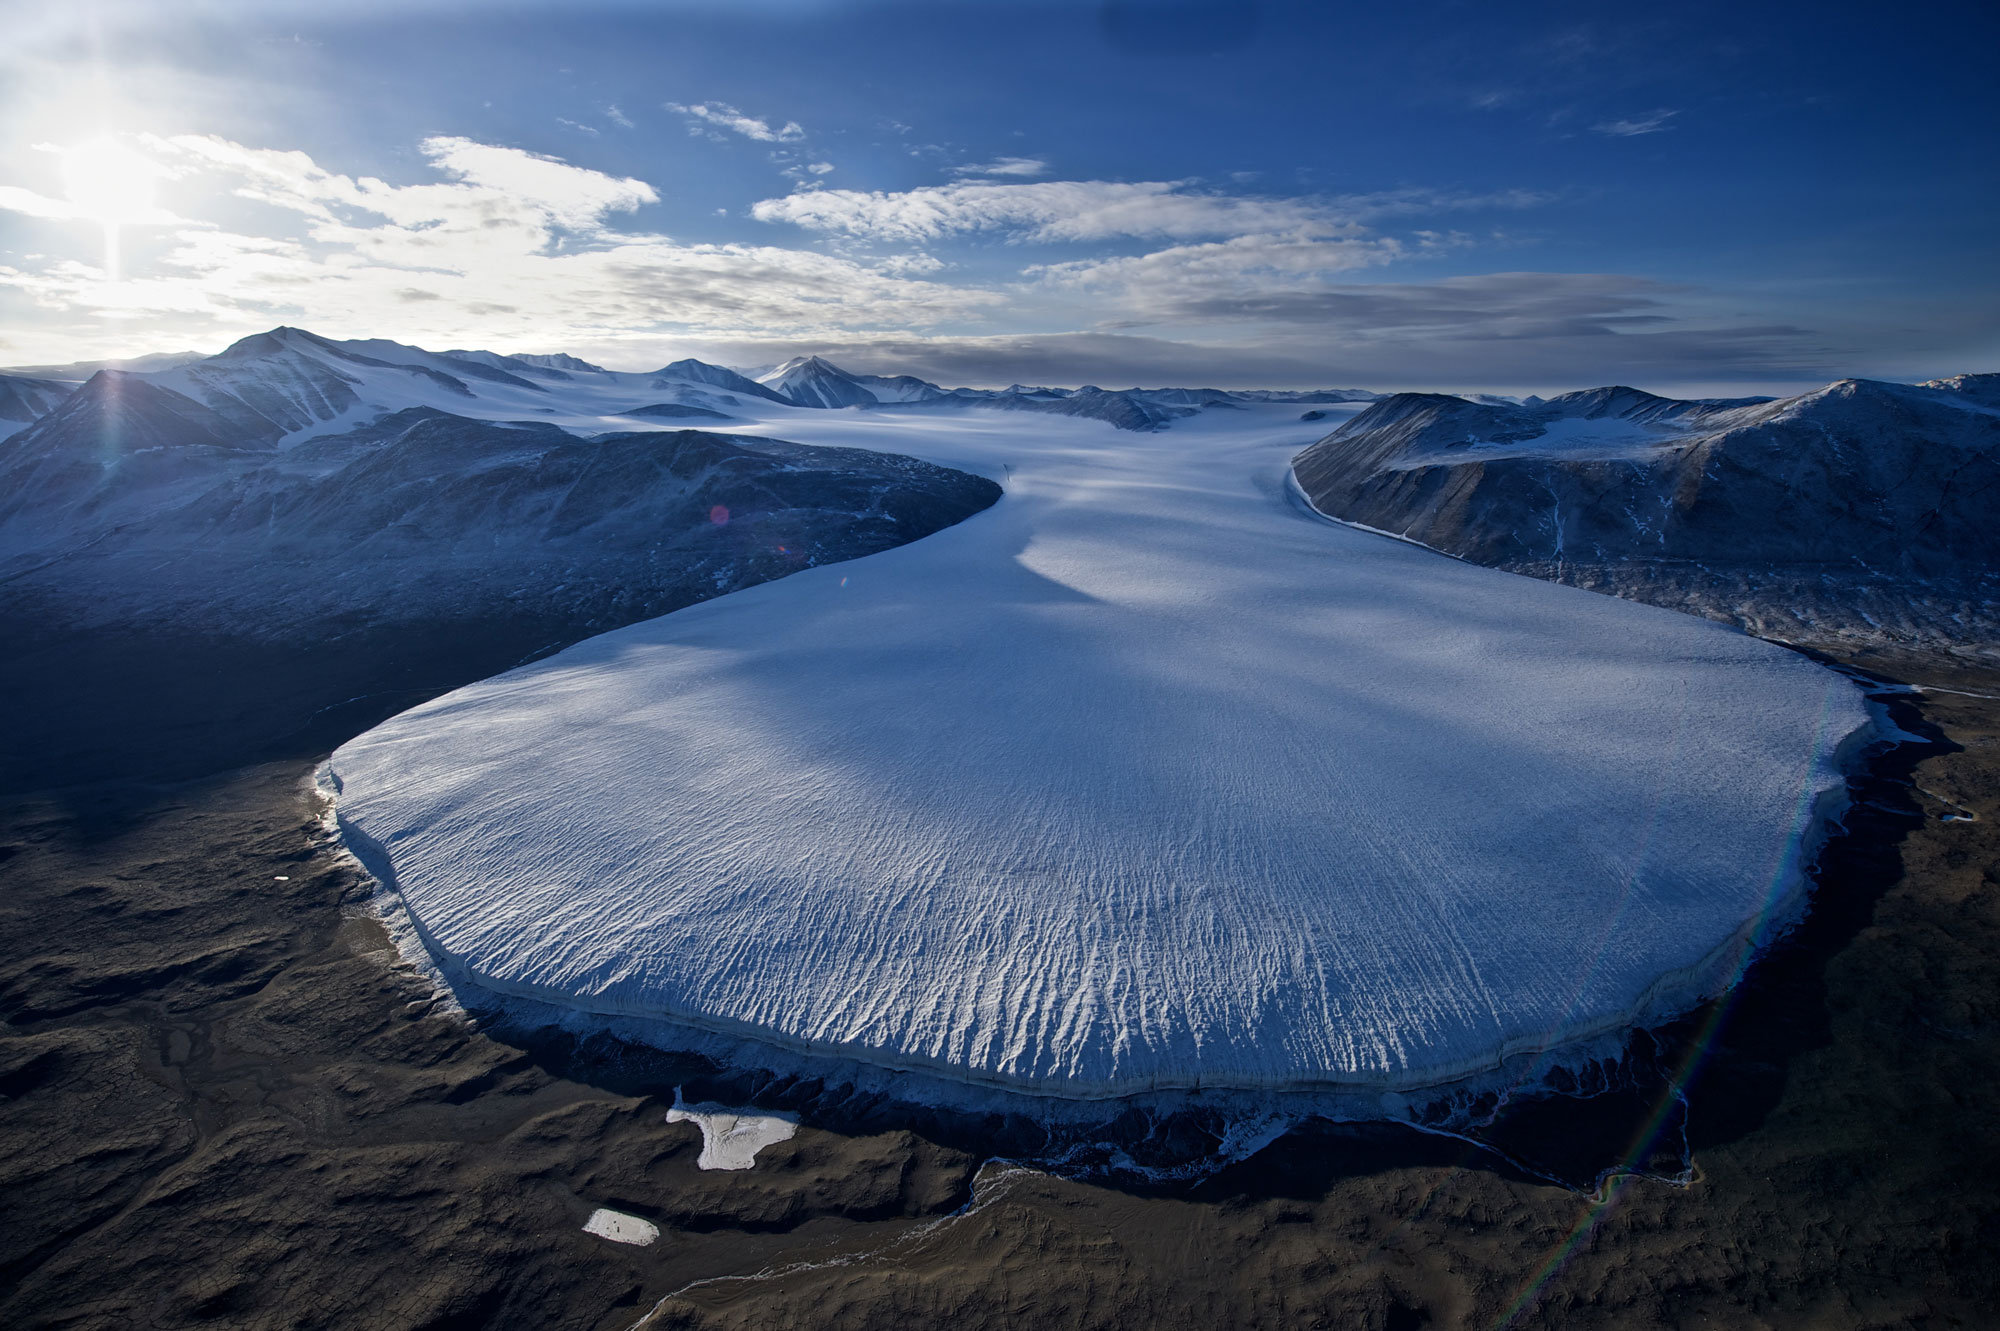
x=815, y=364
x=559, y=361
x=691, y=371
x=810, y=381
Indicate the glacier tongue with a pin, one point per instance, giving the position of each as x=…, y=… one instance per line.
x=1142, y=778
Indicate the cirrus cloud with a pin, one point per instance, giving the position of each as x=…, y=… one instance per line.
x=707, y=117
x=1004, y=166
x=1653, y=122
x=1055, y=210
x=1088, y=210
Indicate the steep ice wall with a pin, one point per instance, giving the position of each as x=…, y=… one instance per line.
x=1144, y=777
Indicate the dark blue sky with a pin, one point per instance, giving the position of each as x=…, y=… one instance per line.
x=1447, y=195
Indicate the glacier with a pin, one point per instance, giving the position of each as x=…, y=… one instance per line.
x=1147, y=777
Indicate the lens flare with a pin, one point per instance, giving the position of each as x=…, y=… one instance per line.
x=109, y=183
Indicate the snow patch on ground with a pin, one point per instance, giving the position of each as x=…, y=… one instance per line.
x=731, y=1138
x=621, y=1228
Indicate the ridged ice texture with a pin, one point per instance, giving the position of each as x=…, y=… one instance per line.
x=1144, y=777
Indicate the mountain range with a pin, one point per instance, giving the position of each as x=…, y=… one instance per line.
x=1861, y=509
x=181, y=492
x=368, y=523
x=287, y=383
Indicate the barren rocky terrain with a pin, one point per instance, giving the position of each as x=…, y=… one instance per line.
x=229, y=1104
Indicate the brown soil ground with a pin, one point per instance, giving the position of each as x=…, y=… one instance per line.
x=226, y=1105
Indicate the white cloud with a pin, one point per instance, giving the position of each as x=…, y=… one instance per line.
x=1511, y=332
x=705, y=117
x=508, y=244
x=819, y=168
x=1056, y=210
x=1087, y=210
x=15, y=199
x=1238, y=260
x=493, y=188
x=1005, y=166
x=617, y=117
x=1244, y=280
x=1232, y=263
x=499, y=247
x=907, y=265
x=1265, y=290
x=1653, y=122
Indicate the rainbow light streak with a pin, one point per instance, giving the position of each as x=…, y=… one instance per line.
x=1614, y=1181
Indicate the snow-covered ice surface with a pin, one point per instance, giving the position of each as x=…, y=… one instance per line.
x=731, y=1138
x=1144, y=778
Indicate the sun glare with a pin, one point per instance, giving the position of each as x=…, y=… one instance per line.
x=109, y=183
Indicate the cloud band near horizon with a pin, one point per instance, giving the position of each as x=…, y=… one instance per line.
x=1158, y=280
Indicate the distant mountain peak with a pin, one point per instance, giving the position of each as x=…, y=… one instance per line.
x=1613, y=400
x=691, y=371
x=811, y=381
x=277, y=341
x=255, y=345
x=814, y=362
x=558, y=360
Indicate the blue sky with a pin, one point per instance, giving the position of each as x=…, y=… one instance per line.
x=1464, y=196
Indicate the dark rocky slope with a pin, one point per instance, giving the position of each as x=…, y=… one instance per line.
x=424, y=513
x=1858, y=513
x=25, y=399
x=369, y=570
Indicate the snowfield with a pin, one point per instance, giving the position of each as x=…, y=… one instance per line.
x=1146, y=777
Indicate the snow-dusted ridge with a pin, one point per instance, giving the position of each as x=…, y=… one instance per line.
x=1857, y=512
x=289, y=384
x=1141, y=779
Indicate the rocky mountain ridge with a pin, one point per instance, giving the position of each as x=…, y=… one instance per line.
x=1862, y=510
x=424, y=515
x=291, y=382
